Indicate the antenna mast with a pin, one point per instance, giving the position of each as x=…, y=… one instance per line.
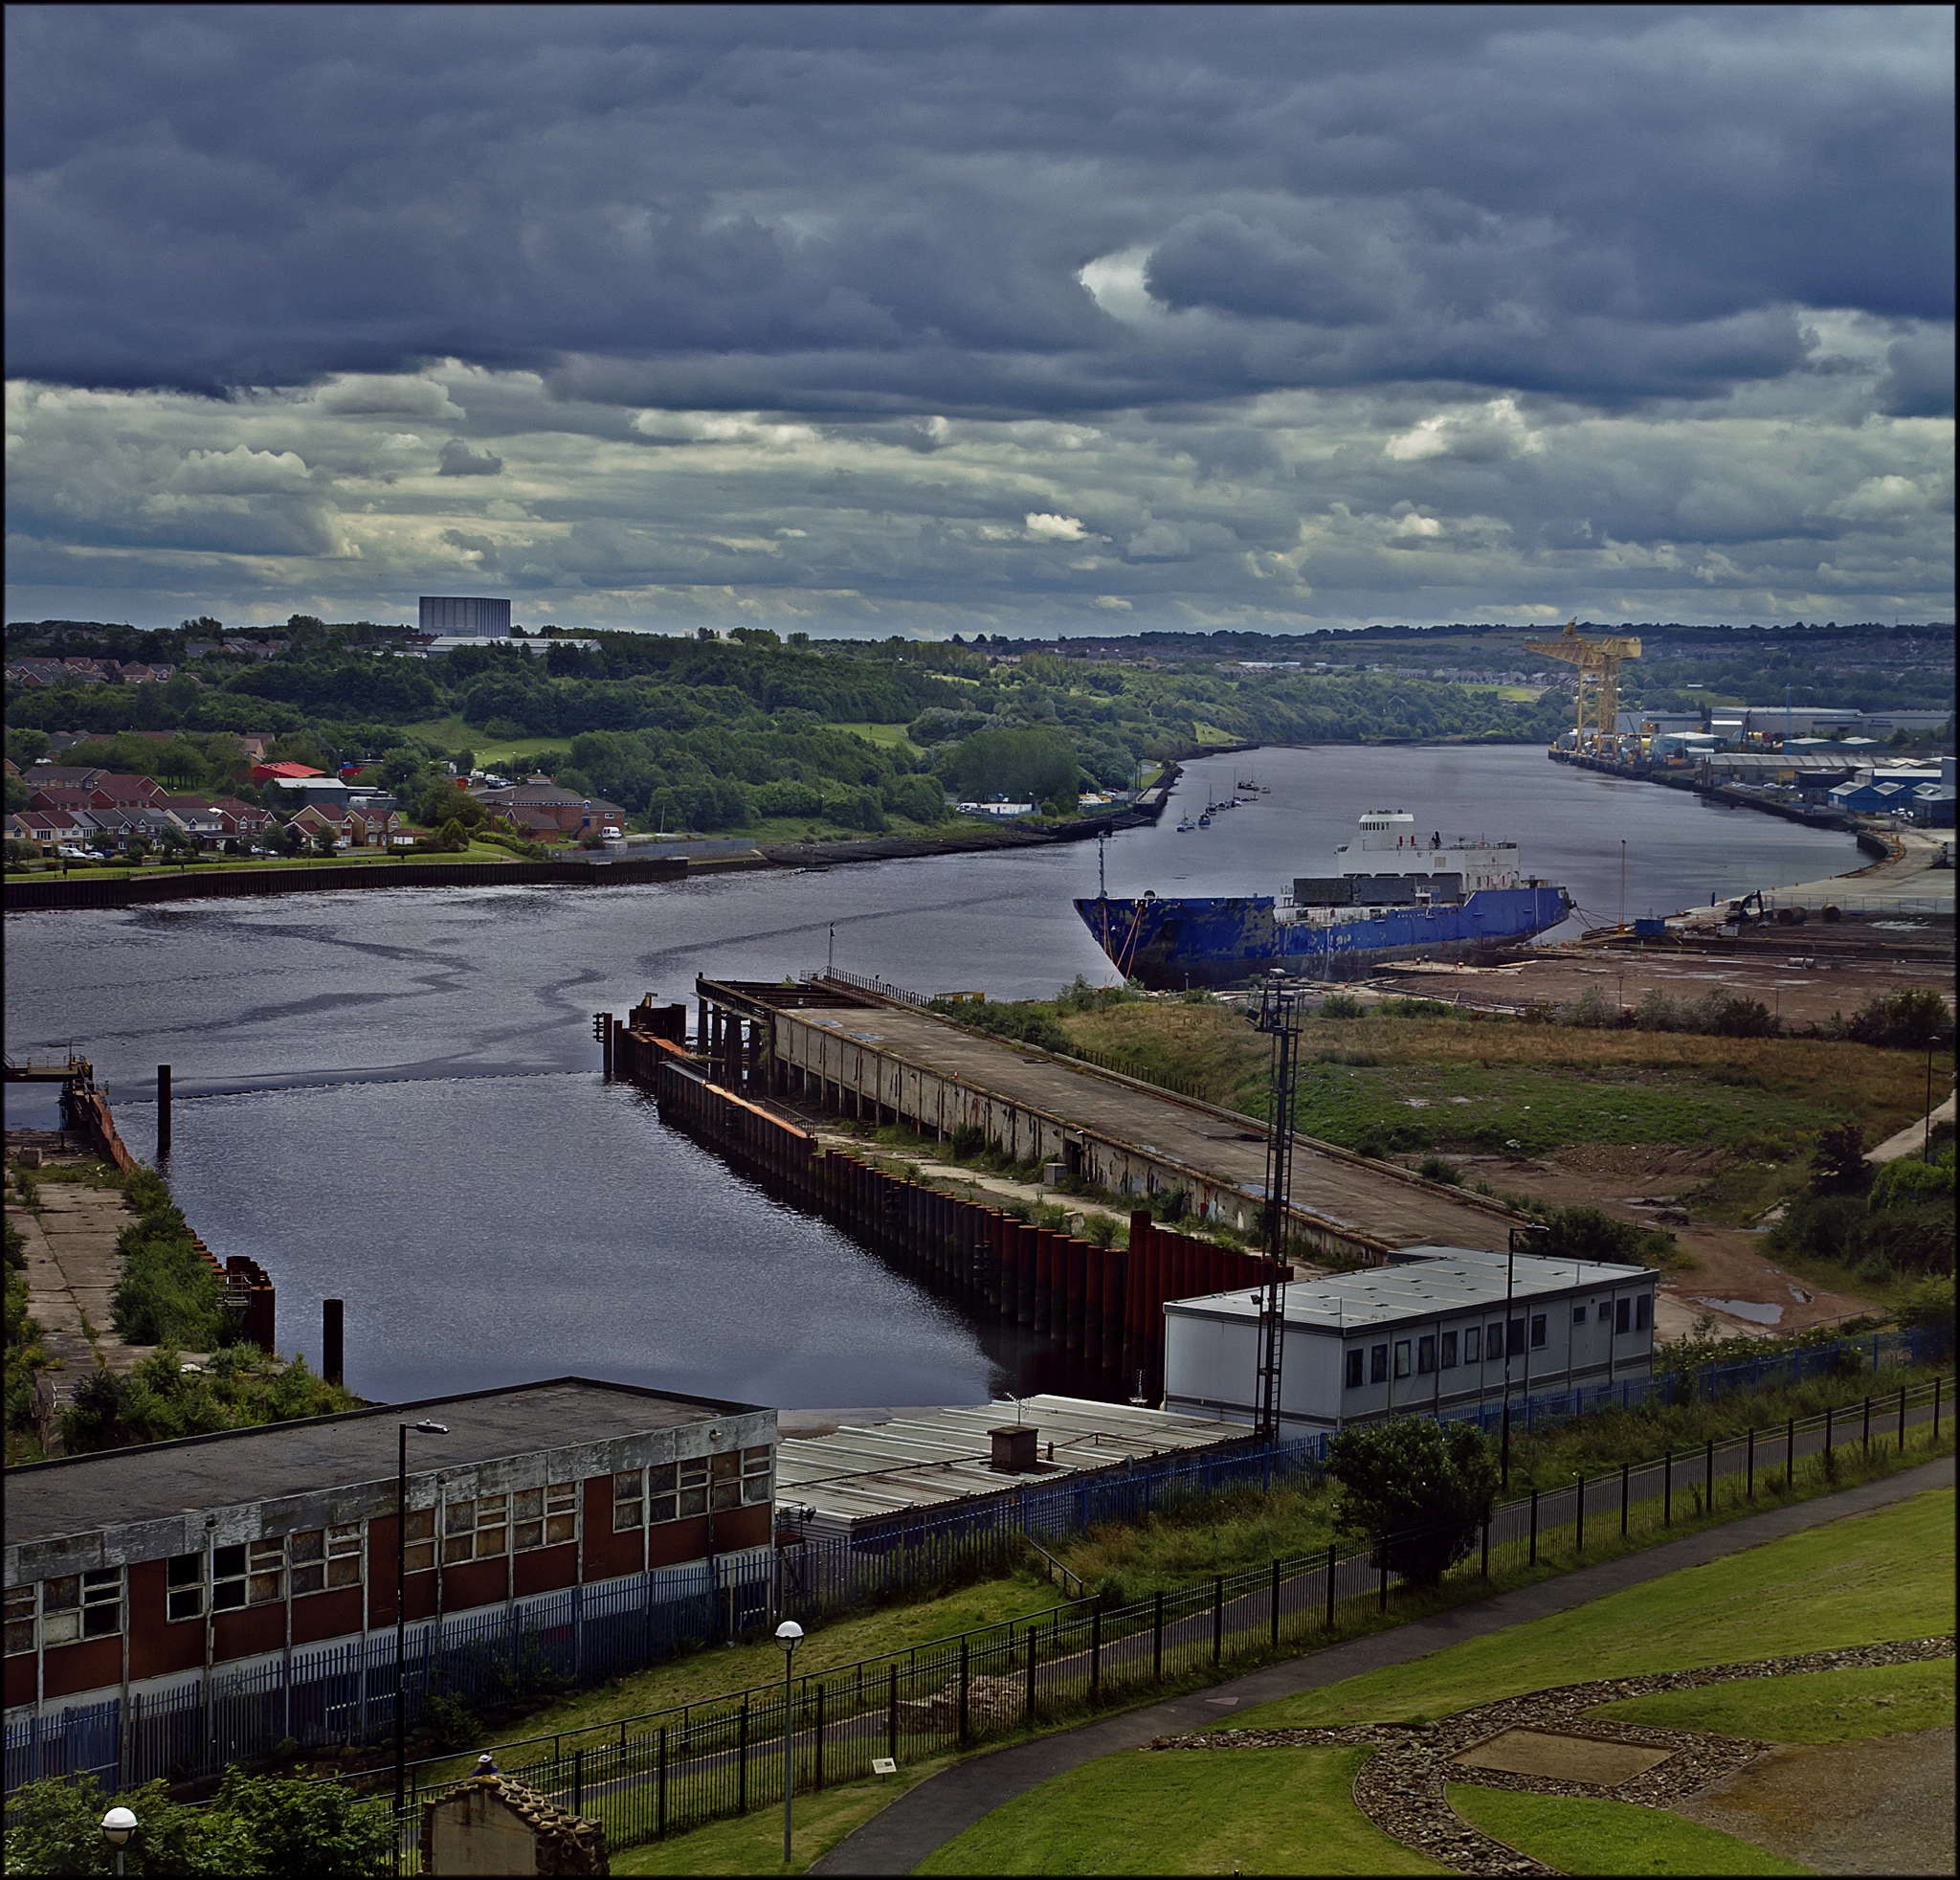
x=1277, y=1015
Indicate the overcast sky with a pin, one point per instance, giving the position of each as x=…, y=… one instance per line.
x=930, y=320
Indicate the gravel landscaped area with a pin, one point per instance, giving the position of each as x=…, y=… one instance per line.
x=1402, y=1787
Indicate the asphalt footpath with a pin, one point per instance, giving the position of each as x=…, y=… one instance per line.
x=925, y=1817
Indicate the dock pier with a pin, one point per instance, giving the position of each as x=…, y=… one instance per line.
x=1097, y=1311
x=870, y=1052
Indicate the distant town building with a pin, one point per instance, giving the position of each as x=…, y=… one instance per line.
x=473, y=614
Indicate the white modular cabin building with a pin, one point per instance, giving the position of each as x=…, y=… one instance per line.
x=1425, y=1336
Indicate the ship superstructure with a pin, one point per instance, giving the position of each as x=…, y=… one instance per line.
x=1400, y=894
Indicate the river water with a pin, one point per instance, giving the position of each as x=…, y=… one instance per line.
x=393, y=1098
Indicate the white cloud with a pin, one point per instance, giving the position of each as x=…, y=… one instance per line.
x=1043, y=528
x=1488, y=435
x=1115, y=603
x=361, y=394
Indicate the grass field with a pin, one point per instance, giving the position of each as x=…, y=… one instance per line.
x=719, y=1670
x=1819, y=1706
x=1861, y=1581
x=1245, y=1811
x=1870, y=1578
x=1479, y=1084
x=892, y=737
x=1610, y=1837
x=753, y=1843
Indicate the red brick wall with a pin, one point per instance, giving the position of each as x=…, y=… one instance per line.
x=381, y=1578
x=546, y=1568
x=331, y=1615
x=89, y=1666
x=245, y=1634
x=479, y=1583
x=607, y=1555
x=155, y=1644
x=674, y=1542
x=754, y=1525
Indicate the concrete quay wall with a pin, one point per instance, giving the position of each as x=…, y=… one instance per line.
x=1100, y=1309
x=867, y=1055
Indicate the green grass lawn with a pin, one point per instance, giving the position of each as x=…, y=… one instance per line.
x=1861, y=1581
x=1819, y=1706
x=892, y=737
x=1475, y=1107
x=1388, y=1082
x=719, y=1670
x=1610, y=1837
x=1239, y=1811
x=753, y=1843
x=1887, y=1574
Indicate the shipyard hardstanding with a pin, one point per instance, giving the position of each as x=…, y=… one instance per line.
x=1404, y=894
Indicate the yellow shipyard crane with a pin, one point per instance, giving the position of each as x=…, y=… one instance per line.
x=1598, y=662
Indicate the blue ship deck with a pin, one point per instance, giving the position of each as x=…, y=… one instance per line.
x=1173, y=944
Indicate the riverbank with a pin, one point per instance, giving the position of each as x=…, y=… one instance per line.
x=23, y=894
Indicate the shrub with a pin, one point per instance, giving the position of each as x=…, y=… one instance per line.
x=969, y=1142
x=1588, y=1234
x=1838, y=1164
x=1928, y=1303
x=1419, y=1488
x=1907, y=1181
x=1436, y=1168
x=1908, y=1021
x=1341, y=1005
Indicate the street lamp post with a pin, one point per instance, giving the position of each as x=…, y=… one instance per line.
x=401, y=1579
x=118, y=1826
x=789, y=1635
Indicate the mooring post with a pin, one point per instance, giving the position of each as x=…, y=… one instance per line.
x=163, y=1109
x=332, y=1340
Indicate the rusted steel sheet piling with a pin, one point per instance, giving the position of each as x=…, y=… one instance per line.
x=1101, y=1306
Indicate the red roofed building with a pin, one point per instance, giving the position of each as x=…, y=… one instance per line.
x=268, y=773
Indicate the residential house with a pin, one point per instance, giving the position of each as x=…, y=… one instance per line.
x=570, y=813
x=242, y=818
x=60, y=799
x=198, y=817
x=135, y=672
x=46, y=776
x=318, y=816
x=368, y=824
x=47, y=826
x=118, y=828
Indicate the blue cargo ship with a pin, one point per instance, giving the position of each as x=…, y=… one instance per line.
x=1455, y=899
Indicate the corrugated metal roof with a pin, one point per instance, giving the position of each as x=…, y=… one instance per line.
x=943, y=1456
x=1435, y=1280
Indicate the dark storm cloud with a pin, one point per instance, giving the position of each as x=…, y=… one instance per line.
x=870, y=213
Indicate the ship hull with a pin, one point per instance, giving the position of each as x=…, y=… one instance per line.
x=1171, y=946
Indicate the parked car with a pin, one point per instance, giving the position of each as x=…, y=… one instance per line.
x=74, y=852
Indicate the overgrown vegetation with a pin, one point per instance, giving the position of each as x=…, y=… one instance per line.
x=160, y=1398
x=24, y=1353
x=1420, y=1491
x=1879, y=1225
x=168, y=1292
x=254, y=1824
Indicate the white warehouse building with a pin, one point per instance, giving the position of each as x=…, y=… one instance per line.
x=1422, y=1336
